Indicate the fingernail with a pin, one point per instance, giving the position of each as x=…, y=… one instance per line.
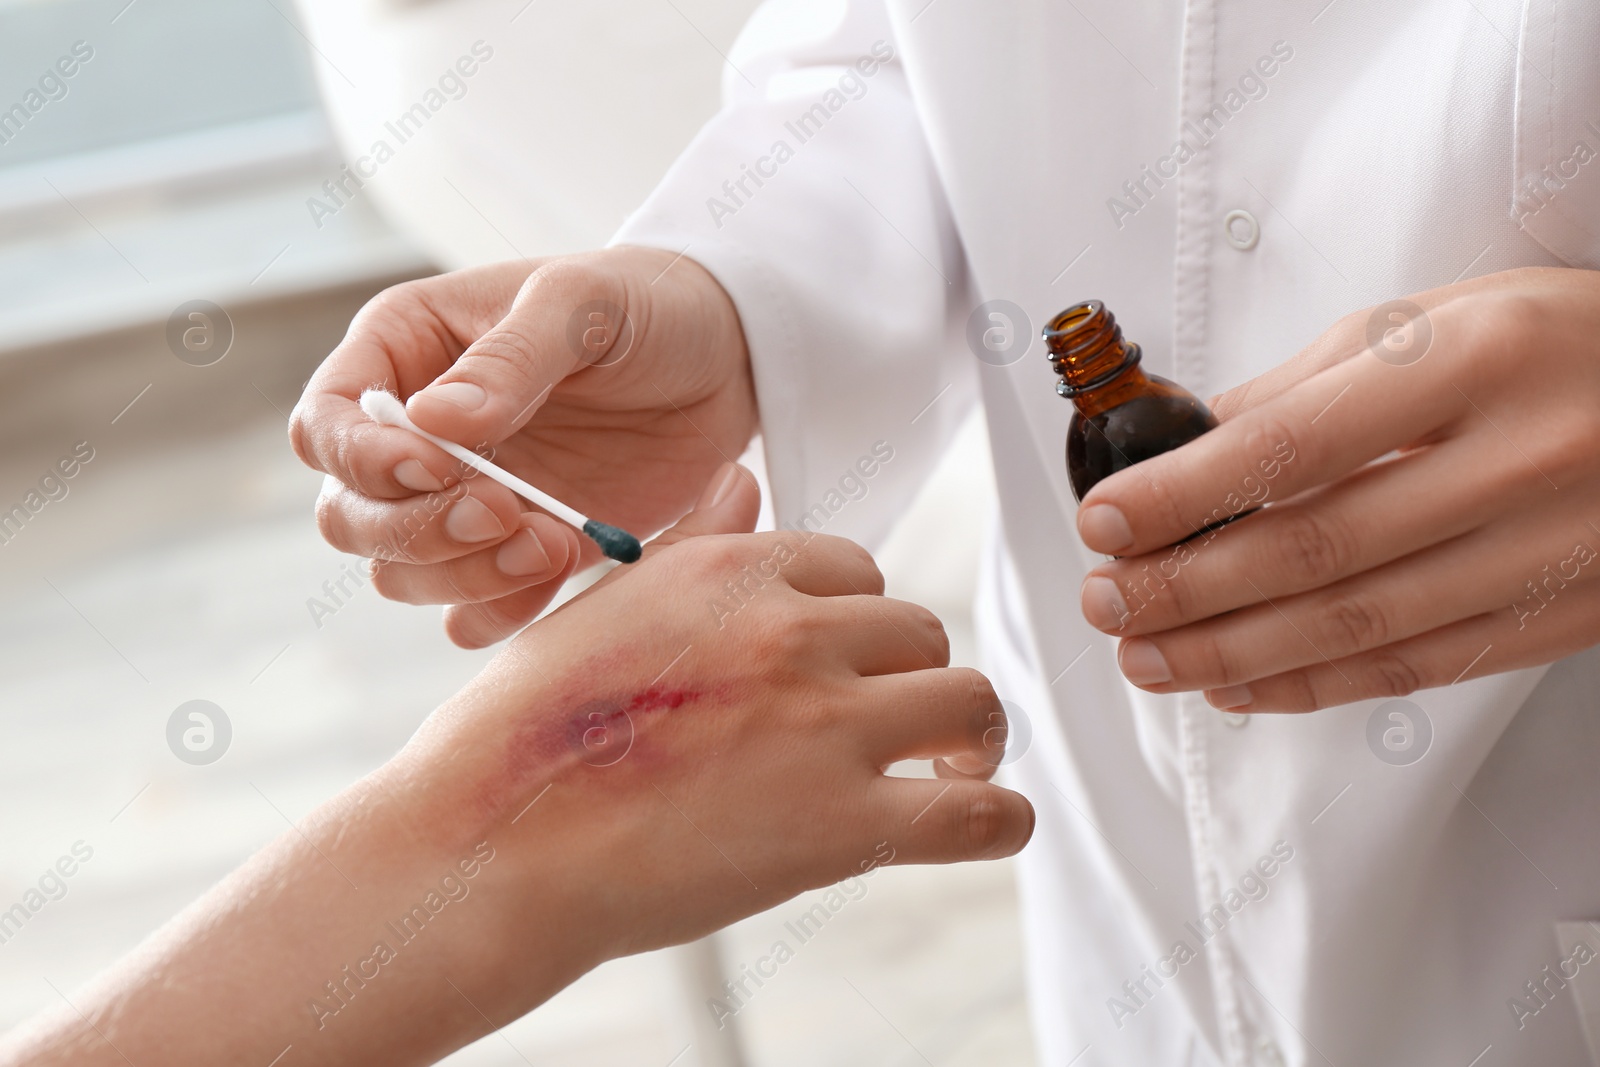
x=1104, y=528
x=471, y=521
x=463, y=395
x=1230, y=697
x=1103, y=605
x=718, y=489
x=413, y=475
x=522, y=555
x=1142, y=662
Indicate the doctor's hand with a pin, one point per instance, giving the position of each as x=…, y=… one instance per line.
x=617, y=381
x=1432, y=488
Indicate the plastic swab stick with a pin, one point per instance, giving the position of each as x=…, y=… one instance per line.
x=386, y=409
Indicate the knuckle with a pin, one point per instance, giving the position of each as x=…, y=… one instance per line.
x=709, y=558
x=983, y=699
x=330, y=520
x=1146, y=595
x=1509, y=317
x=780, y=639
x=1172, y=598
x=1261, y=434
x=489, y=617
x=510, y=352
x=566, y=278
x=1392, y=675
x=1565, y=450
x=464, y=587
x=299, y=435
x=394, y=301
x=982, y=823
x=1209, y=661
x=1314, y=549
x=472, y=625
x=850, y=559
x=988, y=725
x=406, y=292
x=1167, y=502
x=385, y=578
x=934, y=639
x=866, y=565
x=401, y=534
x=1352, y=622
x=343, y=451
x=1297, y=692
x=1270, y=436
x=398, y=304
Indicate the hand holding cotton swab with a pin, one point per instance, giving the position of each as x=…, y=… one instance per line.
x=386, y=409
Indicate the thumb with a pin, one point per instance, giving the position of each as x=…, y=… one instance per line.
x=559, y=323
x=729, y=503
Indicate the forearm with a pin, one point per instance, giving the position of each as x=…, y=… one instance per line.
x=363, y=935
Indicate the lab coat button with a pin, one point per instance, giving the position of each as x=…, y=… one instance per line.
x=1268, y=1053
x=1241, y=229
x=1235, y=720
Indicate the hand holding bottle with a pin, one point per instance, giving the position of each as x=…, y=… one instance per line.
x=1472, y=550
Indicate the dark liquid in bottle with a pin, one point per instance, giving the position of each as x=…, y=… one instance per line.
x=1159, y=419
x=1121, y=415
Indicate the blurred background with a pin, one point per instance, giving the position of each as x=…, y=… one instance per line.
x=166, y=287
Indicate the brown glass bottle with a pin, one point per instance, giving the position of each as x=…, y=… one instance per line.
x=1122, y=415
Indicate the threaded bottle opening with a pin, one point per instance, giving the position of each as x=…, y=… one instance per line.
x=1084, y=345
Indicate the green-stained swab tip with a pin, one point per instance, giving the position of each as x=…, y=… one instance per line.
x=619, y=545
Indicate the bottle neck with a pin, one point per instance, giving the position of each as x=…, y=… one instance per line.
x=1098, y=368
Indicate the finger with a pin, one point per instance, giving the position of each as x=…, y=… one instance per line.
x=951, y=712
x=1458, y=579
x=401, y=340
x=878, y=635
x=333, y=435
x=569, y=314
x=811, y=564
x=1314, y=540
x=1344, y=339
x=930, y=821
x=1349, y=337
x=535, y=554
x=824, y=565
x=729, y=503
x=1472, y=648
x=467, y=517
x=960, y=768
x=482, y=624
x=1321, y=428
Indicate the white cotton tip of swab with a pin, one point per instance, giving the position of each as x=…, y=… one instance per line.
x=385, y=409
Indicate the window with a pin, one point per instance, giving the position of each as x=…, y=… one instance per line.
x=156, y=151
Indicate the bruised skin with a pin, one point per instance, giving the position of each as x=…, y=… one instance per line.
x=601, y=733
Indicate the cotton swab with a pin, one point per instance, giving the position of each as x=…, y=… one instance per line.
x=386, y=409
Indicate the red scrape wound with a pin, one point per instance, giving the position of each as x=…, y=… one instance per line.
x=660, y=699
x=606, y=734
x=603, y=732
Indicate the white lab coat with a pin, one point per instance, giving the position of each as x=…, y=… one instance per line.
x=1382, y=155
